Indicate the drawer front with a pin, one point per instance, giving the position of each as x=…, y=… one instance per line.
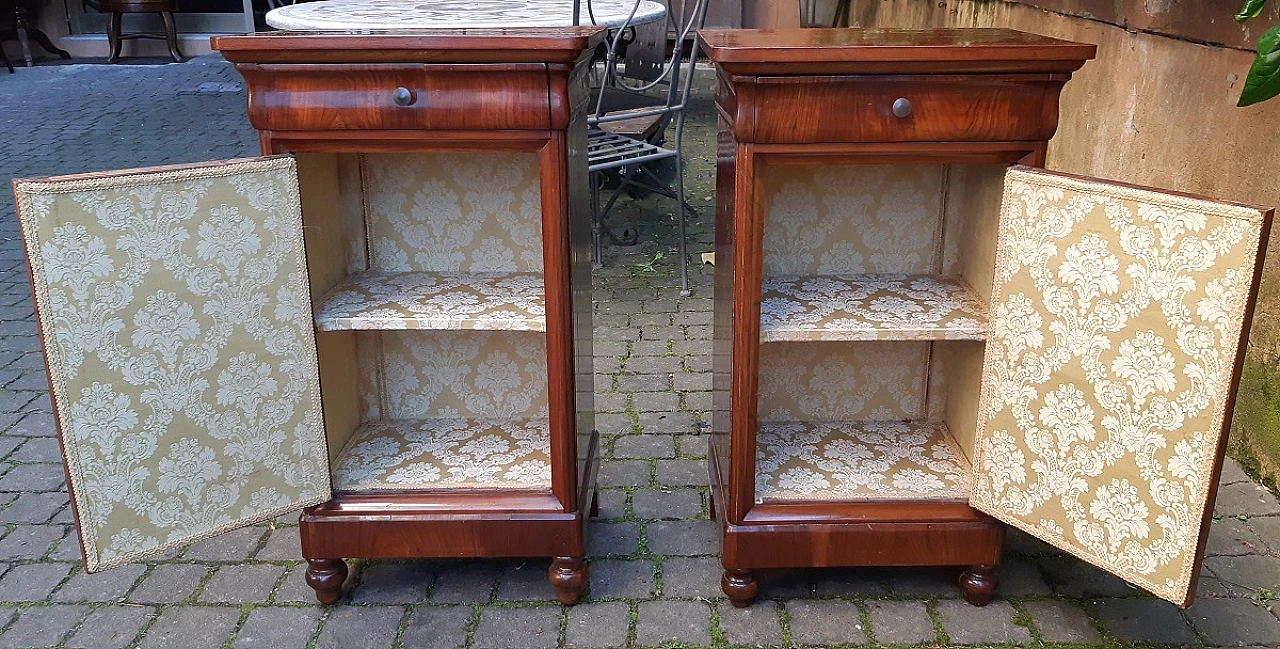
x=905, y=109
x=409, y=96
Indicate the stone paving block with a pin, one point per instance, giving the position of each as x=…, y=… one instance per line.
x=436, y=627
x=968, y=624
x=643, y=383
x=30, y=541
x=613, y=539
x=32, y=582
x=1267, y=528
x=1245, y=575
x=1145, y=620
x=1246, y=498
x=692, y=382
x=241, y=584
x=617, y=579
x=168, y=583
x=926, y=582
x=613, y=504
x=699, y=401
x=105, y=586
x=38, y=449
x=692, y=577
x=661, y=623
x=1021, y=578
x=282, y=545
x=111, y=627
x=235, y=545
x=1233, y=537
x=277, y=627
x=684, y=537
x=668, y=423
x=1074, y=578
x=34, y=507
x=592, y=626
x=294, y=588
x=526, y=581
x=901, y=622
x=819, y=622
x=69, y=548
x=1234, y=622
x=8, y=443
x=534, y=627
x=32, y=477
x=191, y=627
x=367, y=627
x=682, y=473
x=757, y=625
x=1062, y=621
x=667, y=503
x=867, y=582
x=466, y=583
x=624, y=473
x=401, y=582
x=610, y=401
x=1232, y=473
x=644, y=447
x=43, y=626
x=613, y=424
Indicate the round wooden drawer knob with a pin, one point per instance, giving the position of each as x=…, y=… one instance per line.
x=902, y=107
x=403, y=96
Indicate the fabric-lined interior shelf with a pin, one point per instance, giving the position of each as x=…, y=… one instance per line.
x=859, y=461
x=422, y=300
x=870, y=307
x=434, y=454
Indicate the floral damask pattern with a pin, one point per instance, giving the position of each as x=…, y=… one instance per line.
x=456, y=213
x=870, y=307
x=491, y=301
x=824, y=381
x=1116, y=318
x=176, y=319
x=454, y=374
x=853, y=219
x=446, y=453
x=866, y=460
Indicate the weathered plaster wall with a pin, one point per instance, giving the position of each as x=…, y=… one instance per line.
x=1157, y=110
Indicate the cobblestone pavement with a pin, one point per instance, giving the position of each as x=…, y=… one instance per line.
x=654, y=566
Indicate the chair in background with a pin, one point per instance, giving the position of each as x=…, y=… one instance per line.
x=116, y=9
x=627, y=135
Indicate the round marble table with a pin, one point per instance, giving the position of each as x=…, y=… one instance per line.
x=363, y=15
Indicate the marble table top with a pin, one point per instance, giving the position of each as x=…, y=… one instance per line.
x=365, y=15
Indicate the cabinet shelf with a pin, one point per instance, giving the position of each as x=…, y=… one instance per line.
x=435, y=454
x=870, y=307
x=480, y=301
x=859, y=461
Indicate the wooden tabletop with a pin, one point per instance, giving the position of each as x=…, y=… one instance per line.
x=533, y=45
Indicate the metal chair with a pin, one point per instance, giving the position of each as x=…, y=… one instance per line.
x=629, y=140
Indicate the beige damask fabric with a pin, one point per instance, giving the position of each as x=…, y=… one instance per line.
x=483, y=301
x=1116, y=317
x=867, y=460
x=428, y=454
x=870, y=307
x=832, y=381
x=851, y=219
x=177, y=325
x=454, y=213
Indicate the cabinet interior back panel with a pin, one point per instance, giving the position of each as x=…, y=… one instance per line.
x=452, y=374
x=453, y=212
x=841, y=381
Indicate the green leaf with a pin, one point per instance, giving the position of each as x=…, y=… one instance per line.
x=1251, y=9
x=1263, y=81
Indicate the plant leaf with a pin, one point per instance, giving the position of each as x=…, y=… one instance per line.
x=1263, y=81
x=1251, y=9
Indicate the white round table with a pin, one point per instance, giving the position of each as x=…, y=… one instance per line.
x=373, y=15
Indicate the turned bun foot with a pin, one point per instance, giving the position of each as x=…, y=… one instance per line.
x=569, y=576
x=978, y=584
x=326, y=577
x=740, y=586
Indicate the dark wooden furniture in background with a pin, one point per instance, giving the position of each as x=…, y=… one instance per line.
x=859, y=178
x=15, y=24
x=116, y=10
x=454, y=161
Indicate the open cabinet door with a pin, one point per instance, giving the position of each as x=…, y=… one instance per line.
x=1118, y=322
x=176, y=319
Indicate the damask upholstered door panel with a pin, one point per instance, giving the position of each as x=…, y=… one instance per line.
x=1117, y=319
x=175, y=312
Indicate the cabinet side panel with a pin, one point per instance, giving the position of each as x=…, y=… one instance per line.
x=331, y=217
x=339, y=387
x=972, y=219
x=839, y=381
x=960, y=362
x=722, y=329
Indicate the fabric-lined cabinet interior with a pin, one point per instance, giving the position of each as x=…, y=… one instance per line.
x=427, y=280
x=875, y=285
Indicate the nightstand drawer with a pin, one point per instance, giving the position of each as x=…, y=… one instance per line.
x=398, y=96
x=906, y=109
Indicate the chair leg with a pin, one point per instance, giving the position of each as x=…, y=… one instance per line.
x=7, y=62
x=42, y=40
x=597, y=247
x=171, y=36
x=113, y=36
x=680, y=208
